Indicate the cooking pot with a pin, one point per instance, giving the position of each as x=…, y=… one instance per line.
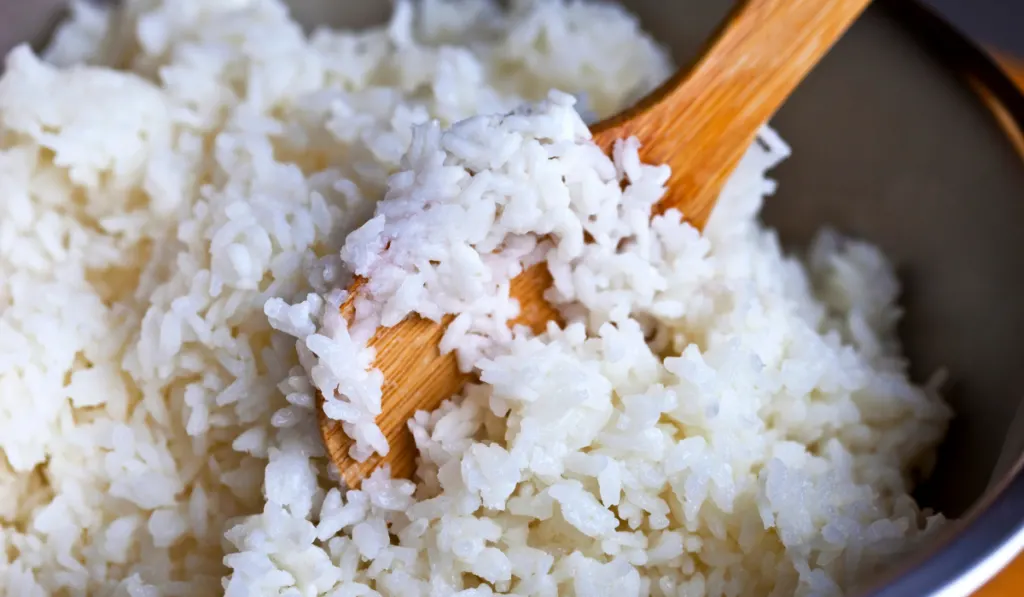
x=893, y=144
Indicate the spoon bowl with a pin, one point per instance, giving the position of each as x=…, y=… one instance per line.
x=700, y=123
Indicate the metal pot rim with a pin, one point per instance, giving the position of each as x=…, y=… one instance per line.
x=977, y=547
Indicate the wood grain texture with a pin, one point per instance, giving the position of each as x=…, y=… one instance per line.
x=1009, y=582
x=700, y=122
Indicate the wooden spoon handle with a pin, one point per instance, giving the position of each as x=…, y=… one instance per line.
x=700, y=122
x=703, y=119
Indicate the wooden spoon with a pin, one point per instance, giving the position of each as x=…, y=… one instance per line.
x=700, y=122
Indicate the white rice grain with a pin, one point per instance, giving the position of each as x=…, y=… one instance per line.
x=176, y=235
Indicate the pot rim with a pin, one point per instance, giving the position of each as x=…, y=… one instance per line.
x=976, y=548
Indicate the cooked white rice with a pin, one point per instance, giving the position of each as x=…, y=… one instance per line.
x=716, y=419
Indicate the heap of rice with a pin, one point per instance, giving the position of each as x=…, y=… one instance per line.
x=175, y=234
